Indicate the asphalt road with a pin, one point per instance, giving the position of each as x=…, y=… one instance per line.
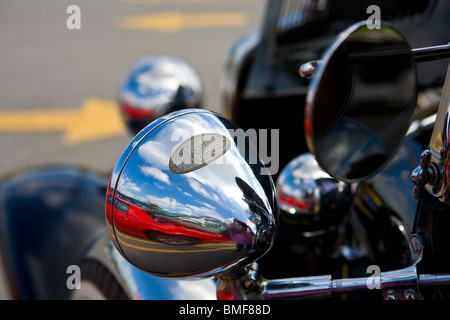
x=46, y=68
x=49, y=72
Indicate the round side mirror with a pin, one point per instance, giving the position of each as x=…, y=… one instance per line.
x=184, y=202
x=360, y=101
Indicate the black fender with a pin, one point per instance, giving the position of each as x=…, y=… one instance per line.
x=386, y=208
x=48, y=217
x=54, y=217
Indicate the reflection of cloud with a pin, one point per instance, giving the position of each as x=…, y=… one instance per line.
x=126, y=186
x=296, y=193
x=167, y=203
x=155, y=153
x=309, y=168
x=197, y=187
x=203, y=211
x=155, y=173
x=216, y=184
x=172, y=205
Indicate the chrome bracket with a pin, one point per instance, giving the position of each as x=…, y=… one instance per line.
x=426, y=173
x=401, y=284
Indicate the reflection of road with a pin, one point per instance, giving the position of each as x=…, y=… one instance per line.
x=147, y=249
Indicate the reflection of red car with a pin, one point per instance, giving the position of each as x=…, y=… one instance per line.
x=148, y=224
x=108, y=205
x=284, y=198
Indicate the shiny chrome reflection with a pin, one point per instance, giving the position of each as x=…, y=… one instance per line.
x=307, y=69
x=218, y=215
x=310, y=198
x=157, y=85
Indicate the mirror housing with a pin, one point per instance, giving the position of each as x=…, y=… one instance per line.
x=360, y=101
x=183, y=202
x=155, y=86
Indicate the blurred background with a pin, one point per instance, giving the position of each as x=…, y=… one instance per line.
x=49, y=73
x=59, y=87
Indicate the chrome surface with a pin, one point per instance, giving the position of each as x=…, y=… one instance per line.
x=439, y=148
x=401, y=284
x=297, y=287
x=156, y=85
x=425, y=173
x=431, y=53
x=351, y=285
x=216, y=214
x=434, y=279
x=416, y=247
x=309, y=195
x=311, y=287
x=298, y=187
x=360, y=101
x=307, y=69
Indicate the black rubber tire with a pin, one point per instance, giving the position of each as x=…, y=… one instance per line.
x=98, y=277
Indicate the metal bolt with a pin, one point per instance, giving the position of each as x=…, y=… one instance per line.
x=390, y=295
x=410, y=296
x=307, y=69
x=416, y=246
x=249, y=284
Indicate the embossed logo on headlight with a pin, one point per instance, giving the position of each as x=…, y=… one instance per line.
x=197, y=152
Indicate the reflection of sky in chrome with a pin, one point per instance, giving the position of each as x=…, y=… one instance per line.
x=153, y=81
x=209, y=191
x=300, y=175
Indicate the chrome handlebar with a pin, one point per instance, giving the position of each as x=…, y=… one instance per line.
x=402, y=284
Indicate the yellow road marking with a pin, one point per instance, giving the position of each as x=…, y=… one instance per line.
x=122, y=234
x=96, y=119
x=174, y=21
x=173, y=251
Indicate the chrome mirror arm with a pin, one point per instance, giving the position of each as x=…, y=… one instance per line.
x=307, y=69
x=402, y=284
x=431, y=53
x=432, y=173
